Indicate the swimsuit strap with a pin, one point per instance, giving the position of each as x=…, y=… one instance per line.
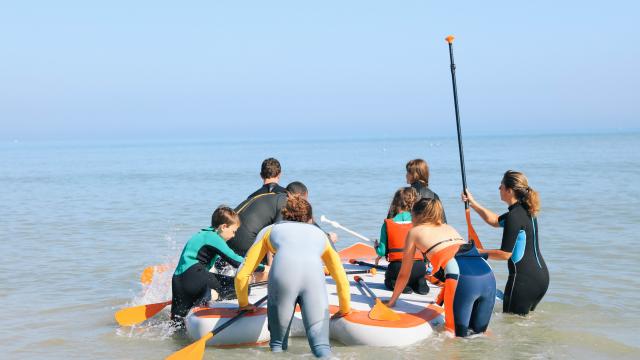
x=440, y=242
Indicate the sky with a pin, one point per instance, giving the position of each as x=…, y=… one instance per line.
x=297, y=69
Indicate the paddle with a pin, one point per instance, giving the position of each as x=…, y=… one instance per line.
x=379, y=311
x=137, y=314
x=471, y=231
x=147, y=274
x=196, y=350
x=335, y=224
x=362, y=263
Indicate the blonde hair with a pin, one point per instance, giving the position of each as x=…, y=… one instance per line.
x=525, y=194
x=418, y=170
x=427, y=211
x=403, y=200
x=297, y=209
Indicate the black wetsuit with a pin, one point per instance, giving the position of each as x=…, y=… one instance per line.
x=268, y=188
x=256, y=213
x=528, y=275
x=426, y=193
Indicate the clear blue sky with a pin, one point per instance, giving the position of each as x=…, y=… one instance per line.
x=158, y=69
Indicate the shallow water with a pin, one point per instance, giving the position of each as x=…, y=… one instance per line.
x=80, y=221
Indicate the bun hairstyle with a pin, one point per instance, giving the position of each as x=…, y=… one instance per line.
x=403, y=200
x=427, y=211
x=297, y=209
x=418, y=170
x=525, y=194
x=224, y=215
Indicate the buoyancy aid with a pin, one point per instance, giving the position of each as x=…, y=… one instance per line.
x=396, y=236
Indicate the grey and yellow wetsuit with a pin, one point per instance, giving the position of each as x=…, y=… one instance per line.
x=296, y=277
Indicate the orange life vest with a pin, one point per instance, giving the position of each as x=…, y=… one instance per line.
x=396, y=235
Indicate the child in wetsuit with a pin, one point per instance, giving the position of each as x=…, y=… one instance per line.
x=392, y=239
x=192, y=282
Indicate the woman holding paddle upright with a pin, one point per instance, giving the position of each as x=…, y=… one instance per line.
x=528, y=275
x=296, y=277
x=469, y=289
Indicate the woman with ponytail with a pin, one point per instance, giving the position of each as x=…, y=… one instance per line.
x=528, y=275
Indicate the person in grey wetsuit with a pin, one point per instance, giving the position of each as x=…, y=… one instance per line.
x=296, y=277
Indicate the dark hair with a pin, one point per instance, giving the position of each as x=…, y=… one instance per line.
x=224, y=215
x=403, y=200
x=296, y=187
x=297, y=209
x=270, y=168
x=427, y=211
x=525, y=194
x=419, y=170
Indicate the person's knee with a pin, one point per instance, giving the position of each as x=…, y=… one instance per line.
x=321, y=351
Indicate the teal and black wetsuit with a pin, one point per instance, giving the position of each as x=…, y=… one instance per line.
x=192, y=282
x=528, y=274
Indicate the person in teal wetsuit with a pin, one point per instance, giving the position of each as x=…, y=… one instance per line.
x=192, y=282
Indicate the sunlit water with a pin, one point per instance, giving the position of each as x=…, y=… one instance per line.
x=79, y=222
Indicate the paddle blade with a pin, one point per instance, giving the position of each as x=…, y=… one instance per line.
x=471, y=231
x=382, y=312
x=137, y=314
x=193, y=351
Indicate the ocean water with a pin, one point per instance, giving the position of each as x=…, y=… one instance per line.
x=80, y=221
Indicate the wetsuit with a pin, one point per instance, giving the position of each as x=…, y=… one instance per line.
x=192, y=282
x=268, y=188
x=528, y=275
x=417, y=281
x=469, y=291
x=256, y=213
x=425, y=193
x=296, y=277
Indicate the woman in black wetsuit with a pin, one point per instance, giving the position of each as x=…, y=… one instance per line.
x=418, y=178
x=528, y=275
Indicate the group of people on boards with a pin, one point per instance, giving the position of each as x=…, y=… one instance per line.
x=415, y=236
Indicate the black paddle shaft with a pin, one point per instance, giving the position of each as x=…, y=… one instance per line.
x=455, y=103
x=366, y=287
x=362, y=263
x=240, y=314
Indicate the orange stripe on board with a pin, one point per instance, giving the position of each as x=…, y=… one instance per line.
x=358, y=251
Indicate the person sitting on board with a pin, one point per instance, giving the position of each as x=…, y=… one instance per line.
x=296, y=277
x=392, y=238
x=418, y=177
x=192, y=283
x=469, y=290
x=528, y=274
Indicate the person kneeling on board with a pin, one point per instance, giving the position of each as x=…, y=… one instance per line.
x=392, y=238
x=469, y=290
x=296, y=277
x=192, y=283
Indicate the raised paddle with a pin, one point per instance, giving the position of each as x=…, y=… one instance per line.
x=196, y=350
x=379, y=311
x=335, y=224
x=362, y=263
x=473, y=236
x=137, y=314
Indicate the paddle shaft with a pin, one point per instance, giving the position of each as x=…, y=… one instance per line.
x=362, y=263
x=364, y=285
x=240, y=314
x=455, y=103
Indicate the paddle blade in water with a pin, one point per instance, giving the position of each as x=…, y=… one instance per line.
x=194, y=351
x=137, y=314
x=382, y=312
x=147, y=274
x=472, y=232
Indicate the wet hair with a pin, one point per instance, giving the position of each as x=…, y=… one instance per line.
x=297, y=209
x=297, y=188
x=427, y=211
x=403, y=200
x=224, y=215
x=270, y=168
x=525, y=194
x=418, y=170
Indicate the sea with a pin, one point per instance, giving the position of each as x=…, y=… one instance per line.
x=80, y=220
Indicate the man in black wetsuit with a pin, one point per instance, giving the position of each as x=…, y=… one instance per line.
x=270, y=172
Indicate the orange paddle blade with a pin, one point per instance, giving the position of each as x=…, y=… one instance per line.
x=137, y=314
x=373, y=271
x=147, y=274
x=471, y=231
x=193, y=351
x=381, y=311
